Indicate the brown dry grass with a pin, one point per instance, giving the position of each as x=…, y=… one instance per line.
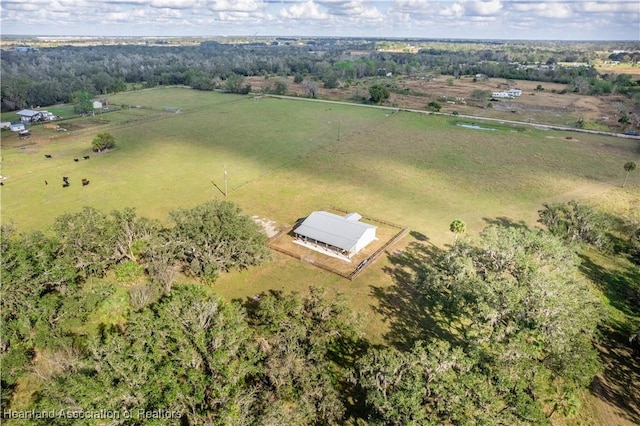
x=548, y=106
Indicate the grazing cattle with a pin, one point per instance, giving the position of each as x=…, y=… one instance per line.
x=85, y=182
x=86, y=157
x=47, y=156
x=46, y=183
x=65, y=185
x=76, y=159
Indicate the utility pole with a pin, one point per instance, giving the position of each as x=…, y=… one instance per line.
x=225, y=180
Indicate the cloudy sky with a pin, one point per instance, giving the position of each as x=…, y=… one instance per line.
x=473, y=19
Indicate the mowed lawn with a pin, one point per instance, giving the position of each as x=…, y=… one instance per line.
x=286, y=158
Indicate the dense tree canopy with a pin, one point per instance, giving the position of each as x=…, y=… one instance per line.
x=526, y=321
x=51, y=75
x=520, y=325
x=215, y=237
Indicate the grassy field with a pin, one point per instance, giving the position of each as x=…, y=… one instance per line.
x=287, y=158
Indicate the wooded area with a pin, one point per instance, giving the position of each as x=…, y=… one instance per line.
x=510, y=335
x=47, y=76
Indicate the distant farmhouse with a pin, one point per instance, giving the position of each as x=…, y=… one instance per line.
x=342, y=235
x=33, y=116
x=509, y=94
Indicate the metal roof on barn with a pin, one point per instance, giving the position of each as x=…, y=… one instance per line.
x=27, y=112
x=338, y=231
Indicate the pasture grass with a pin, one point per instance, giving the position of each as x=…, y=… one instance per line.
x=284, y=158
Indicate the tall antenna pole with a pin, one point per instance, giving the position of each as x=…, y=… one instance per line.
x=225, y=180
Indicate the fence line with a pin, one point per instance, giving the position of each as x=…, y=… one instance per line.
x=352, y=276
x=362, y=265
x=319, y=265
x=371, y=218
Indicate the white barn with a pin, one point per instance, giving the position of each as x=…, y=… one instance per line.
x=33, y=116
x=501, y=95
x=510, y=94
x=344, y=235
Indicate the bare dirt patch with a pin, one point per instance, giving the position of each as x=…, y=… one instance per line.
x=270, y=228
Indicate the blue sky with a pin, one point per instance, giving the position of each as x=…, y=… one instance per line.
x=472, y=19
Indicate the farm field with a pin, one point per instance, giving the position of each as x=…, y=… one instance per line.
x=551, y=105
x=287, y=158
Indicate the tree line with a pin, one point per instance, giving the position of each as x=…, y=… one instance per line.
x=511, y=338
x=52, y=75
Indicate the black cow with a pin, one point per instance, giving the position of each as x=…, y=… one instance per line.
x=86, y=157
x=85, y=182
x=47, y=156
x=76, y=159
x=65, y=185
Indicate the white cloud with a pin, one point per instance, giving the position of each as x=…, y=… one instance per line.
x=548, y=9
x=236, y=5
x=592, y=19
x=174, y=4
x=608, y=7
x=483, y=8
x=307, y=10
x=412, y=8
x=455, y=11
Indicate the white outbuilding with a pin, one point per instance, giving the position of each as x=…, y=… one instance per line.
x=344, y=235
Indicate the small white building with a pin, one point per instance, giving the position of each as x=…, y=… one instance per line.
x=344, y=235
x=509, y=94
x=97, y=105
x=27, y=115
x=33, y=116
x=17, y=127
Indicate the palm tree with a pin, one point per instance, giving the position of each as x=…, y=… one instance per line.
x=458, y=227
x=629, y=167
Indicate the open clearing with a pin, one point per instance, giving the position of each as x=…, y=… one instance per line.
x=286, y=158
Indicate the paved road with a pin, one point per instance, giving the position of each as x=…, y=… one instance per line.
x=472, y=117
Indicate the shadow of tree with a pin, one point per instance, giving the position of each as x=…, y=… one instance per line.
x=408, y=305
x=618, y=383
x=506, y=222
x=620, y=287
